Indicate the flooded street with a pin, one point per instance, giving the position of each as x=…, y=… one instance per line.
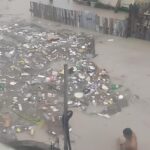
x=127, y=60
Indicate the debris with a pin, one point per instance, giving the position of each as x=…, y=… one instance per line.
x=52, y=38
x=26, y=46
x=13, y=83
x=115, y=86
x=31, y=130
x=70, y=129
x=78, y=95
x=7, y=120
x=53, y=133
x=104, y=115
x=18, y=130
x=104, y=87
x=20, y=107
x=120, y=97
x=25, y=74
x=2, y=86
x=110, y=40
x=32, y=77
x=81, y=76
x=70, y=102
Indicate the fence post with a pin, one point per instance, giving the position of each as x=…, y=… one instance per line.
x=97, y=19
x=111, y=26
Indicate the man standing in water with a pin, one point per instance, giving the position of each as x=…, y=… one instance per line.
x=130, y=142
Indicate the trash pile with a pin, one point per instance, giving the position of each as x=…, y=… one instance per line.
x=32, y=76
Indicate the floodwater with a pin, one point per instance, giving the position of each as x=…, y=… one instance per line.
x=20, y=8
x=10, y=9
x=67, y=4
x=125, y=59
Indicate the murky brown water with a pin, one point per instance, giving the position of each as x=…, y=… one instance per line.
x=21, y=7
x=96, y=127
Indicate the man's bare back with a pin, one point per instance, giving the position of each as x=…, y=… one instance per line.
x=130, y=140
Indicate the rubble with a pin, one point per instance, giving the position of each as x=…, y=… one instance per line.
x=31, y=78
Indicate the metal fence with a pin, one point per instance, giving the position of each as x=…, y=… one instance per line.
x=83, y=19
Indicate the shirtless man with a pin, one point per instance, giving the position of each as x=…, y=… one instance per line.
x=130, y=140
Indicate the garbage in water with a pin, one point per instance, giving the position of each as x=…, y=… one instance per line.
x=110, y=40
x=32, y=78
x=104, y=115
x=120, y=97
x=78, y=95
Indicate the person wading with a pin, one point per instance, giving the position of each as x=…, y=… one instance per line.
x=130, y=142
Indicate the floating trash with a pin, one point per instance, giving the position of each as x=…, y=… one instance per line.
x=78, y=95
x=120, y=97
x=32, y=78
